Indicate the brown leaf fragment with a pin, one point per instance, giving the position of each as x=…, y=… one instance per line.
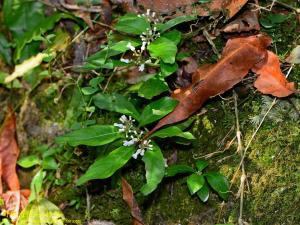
x=248, y=21
x=15, y=199
x=128, y=197
x=271, y=80
x=9, y=152
x=238, y=57
x=233, y=6
x=185, y=7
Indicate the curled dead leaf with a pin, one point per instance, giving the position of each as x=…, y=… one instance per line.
x=248, y=21
x=186, y=7
x=238, y=57
x=14, y=199
x=270, y=78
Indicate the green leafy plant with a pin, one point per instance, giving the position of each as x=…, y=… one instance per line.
x=127, y=138
x=142, y=41
x=199, y=182
x=45, y=159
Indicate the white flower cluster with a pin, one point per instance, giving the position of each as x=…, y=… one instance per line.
x=147, y=37
x=150, y=16
x=133, y=136
x=143, y=146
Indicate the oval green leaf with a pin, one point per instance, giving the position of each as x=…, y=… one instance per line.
x=219, y=183
x=164, y=49
x=29, y=161
x=195, y=183
x=152, y=87
x=173, y=22
x=95, y=135
x=132, y=24
x=156, y=110
x=155, y=169
x=173, y=170
x=201, y=165
x=116, y=103
x=203, y=193
x=173, y=131
x=106, y=166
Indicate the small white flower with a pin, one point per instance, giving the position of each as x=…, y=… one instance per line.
x=148, y=12
x=136, y=154
x=128, y=143
x=142, y=67
x=143, y=46
x=125, y=60
x=130, y=46
x=153, y=14
x=142, y=152
x=119, y=125
x=121, y=130
x=166, y=163
x=123, y=119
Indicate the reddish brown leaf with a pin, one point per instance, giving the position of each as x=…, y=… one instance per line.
x=128, y=197
x=14, y=199
x=238, y=57
x=233, y=6
x=248, y=21
x=271, y=80
x=9, y=152
x=187, y=7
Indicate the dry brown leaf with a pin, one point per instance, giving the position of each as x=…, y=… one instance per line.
x=15, y=199
x=9, y=152
x=186, y=7
x=248, y=21
x=271, y=80
x=128, y=197
x=238, y=57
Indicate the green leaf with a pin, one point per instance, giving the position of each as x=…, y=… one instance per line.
x=272, y=20
x=173, y=131
x=156, y=110
x=29, y=161
x=116, y=103
x=152, y=87
x=41, y=212
x=96, y=81
x=5, y=50
x=106, y=166
x=89, y=90
x=174, y=36
x=173, y=170
x=164, y=49
x=195, y=183
x=49, y=163
x=173, y=22
x=155, y=169
x=201, y=165
x=203, y=193
x=132, y=24
x=167, y=69
x=36, y=185
x=31, y=33
x=219, y=183
x=122, y=45
x=95, y=135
